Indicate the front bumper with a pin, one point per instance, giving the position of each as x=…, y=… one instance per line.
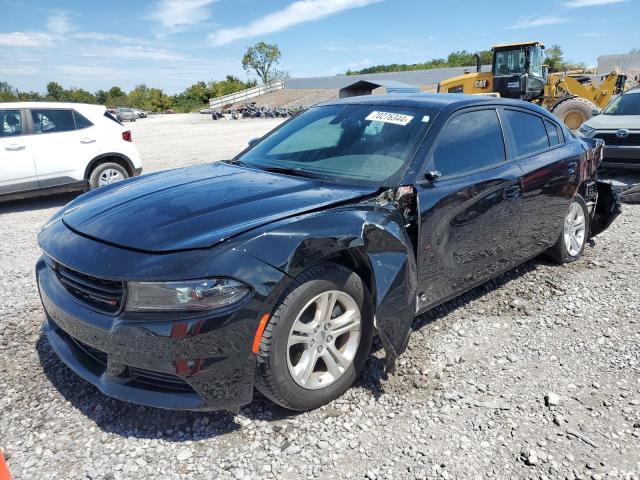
x=190, y=363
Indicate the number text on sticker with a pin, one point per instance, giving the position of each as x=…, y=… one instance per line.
x=388, y=117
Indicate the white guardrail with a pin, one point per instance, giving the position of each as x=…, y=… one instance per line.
x=246, y=94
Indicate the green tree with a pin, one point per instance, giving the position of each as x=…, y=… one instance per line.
x=31, y=96
x=262, y=59
x=198, y=93
x=158, y=100
x=116, y=97
x=115, y=92
x=78, y=95
x=461, y=58
x=55, y=91
x=7, y=93
x=139, y=97
x=554, y=59
x=101, y=97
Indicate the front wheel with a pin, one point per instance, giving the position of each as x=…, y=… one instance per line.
x=317, y=340
x=106, y=174
x=575, y=233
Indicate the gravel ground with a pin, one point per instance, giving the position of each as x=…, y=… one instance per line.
x=533, y=375
x=171, y=141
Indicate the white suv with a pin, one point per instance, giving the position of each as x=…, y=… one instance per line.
x=51, y=146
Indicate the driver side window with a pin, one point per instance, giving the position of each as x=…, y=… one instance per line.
x=470, y=141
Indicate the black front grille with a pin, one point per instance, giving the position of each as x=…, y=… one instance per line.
x=157, y=380
x=633, y=139
x=99, y=293
x=98, y=355
x=165, y=381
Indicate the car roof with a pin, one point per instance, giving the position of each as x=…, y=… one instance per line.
x=86, y=109
x=49, y=105
x=633, y=91
x=436, y=101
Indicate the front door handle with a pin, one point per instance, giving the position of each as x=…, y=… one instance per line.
x=513, y=193
x=88, y=140
x=14, y=147
x=572, y=167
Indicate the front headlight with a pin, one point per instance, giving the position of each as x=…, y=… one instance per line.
x=586, y=129
x=192, y=295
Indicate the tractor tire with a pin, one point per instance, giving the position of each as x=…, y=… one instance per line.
x=574, y=111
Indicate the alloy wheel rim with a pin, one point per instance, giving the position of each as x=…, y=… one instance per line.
x=574, y=229
x=324, y=340
x=109, y=176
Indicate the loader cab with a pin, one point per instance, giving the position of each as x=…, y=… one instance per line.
x=518, y=70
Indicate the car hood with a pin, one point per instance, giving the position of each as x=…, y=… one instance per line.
x=197, y=207
x=614, y=122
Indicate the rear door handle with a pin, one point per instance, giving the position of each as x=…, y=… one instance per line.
x=572, y=167
x=512, y=193
x=14, y=147
x=88, y=140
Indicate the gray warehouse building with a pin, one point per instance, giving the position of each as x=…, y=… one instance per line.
x=424, y=79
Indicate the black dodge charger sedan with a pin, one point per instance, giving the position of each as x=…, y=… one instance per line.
x=185, y=289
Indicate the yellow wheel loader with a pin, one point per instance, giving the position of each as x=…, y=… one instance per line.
x=518, y=71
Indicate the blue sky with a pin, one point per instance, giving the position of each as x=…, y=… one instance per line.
x=173, y=43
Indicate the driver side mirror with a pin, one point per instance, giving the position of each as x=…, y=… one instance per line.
x=253, y=141
x=594, y=112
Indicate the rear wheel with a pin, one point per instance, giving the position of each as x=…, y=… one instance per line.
x=317, y=340
x=106, y=174
x=575, y=233
x=574, y=112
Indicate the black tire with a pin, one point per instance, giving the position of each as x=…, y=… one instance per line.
x=574, y=112
x=94, y=176
x=559, y=252
x=273, y=378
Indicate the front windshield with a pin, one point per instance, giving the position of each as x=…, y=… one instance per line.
x=624, y=105
x=358, y=144
x=510, y=62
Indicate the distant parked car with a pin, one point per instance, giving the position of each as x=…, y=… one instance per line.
x=48, y=146
x=207, y=111
x=619, y=126
x=140, y=113
x=127, y=114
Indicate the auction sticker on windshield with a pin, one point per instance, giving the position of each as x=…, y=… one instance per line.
x=388, y=117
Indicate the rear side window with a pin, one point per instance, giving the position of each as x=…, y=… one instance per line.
x=10, y=123
x=81, y=122
x=553, y=132
x=112, y=117
x=51, y=121
x=470, y=141
x=529, y=133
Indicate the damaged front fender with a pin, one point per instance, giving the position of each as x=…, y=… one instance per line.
x=608, y=207
x=395, y=275
x=373, y=236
